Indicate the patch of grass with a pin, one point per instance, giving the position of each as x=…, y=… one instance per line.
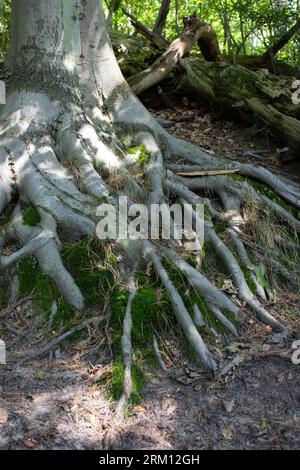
x=266, y=191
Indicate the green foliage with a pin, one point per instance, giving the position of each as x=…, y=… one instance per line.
x=243, y=27
x=5, y=17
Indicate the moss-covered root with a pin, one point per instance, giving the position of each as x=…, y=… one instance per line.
x=126, y=353
x=183, y=317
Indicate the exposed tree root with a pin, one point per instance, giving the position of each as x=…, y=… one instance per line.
x=126, y=353
x=64, y=157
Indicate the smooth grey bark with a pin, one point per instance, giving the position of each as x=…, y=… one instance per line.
x=162, y=17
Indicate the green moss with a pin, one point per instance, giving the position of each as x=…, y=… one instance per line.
x=84, y=260
x=146, y=316
x=207, y=213
x=81, y=260
x=31, y=217
x=248, y=279
x=33, y=280
x=115, y=388
x=211, y=262
x=191, y=297
x=260, y=275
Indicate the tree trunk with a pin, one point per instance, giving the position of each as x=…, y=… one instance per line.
x=162, y=17
x=281, y=42
x=70, y=115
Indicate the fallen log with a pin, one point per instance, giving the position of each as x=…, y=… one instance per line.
x=195, y=30
x=168, y=61
x=250, y=95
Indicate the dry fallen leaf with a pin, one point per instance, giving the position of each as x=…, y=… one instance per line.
x=280, y=378
x=30, y=443
x=74, y=413
x=92, y=418
x=102, y=374
x=138, y=409
x=227, y=433
x=3, y=416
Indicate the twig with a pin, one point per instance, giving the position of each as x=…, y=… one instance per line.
x=158, y=355
x=7, y=311
x=54, y=342
x=207, y=173
x=13, y=330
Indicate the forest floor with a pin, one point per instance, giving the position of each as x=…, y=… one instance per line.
x=53, y=403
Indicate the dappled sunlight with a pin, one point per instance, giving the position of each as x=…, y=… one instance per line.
x=124, y=246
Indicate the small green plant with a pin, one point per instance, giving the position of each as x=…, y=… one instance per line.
x=141, y=154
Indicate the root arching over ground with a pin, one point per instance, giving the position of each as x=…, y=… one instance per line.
x=69, y=121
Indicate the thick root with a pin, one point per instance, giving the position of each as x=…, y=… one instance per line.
x=67, y=174
x=126, y=353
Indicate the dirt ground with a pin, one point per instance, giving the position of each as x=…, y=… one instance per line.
x=54, y=404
